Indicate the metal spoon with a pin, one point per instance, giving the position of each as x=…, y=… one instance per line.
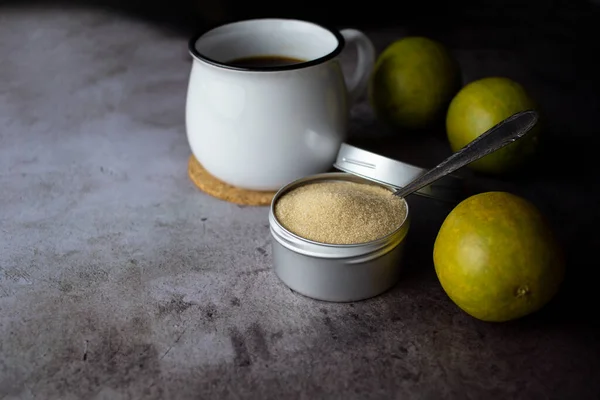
x=502, y=134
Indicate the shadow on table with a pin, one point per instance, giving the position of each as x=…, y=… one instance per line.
x=564, y=192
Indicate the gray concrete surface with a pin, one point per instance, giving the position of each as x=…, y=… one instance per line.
x=120, y=280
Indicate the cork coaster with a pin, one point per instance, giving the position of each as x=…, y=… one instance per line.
x=221, y=190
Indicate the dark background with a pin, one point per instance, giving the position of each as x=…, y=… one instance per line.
x=564, y=32
x=191, y=15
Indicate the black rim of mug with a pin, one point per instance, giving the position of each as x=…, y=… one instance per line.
x=305, y=64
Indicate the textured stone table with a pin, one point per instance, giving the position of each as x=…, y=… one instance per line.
x=120, y=280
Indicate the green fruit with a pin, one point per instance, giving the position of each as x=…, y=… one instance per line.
x=479, y=106
x=496, y=257
x=412, y=83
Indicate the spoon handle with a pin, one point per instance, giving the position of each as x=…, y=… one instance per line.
x=500, y=135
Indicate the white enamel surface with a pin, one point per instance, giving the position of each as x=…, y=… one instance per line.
x=292, y=38
x=261, y=130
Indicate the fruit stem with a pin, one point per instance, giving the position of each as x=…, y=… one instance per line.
x=522, y=291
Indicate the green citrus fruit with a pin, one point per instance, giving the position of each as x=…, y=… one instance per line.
x=496, y=257
x=412, y=83
x=479, y=106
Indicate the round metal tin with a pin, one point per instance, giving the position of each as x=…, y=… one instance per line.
x=396, y=174
x=338, y=273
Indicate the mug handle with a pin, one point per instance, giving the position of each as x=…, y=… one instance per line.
x=357, y=83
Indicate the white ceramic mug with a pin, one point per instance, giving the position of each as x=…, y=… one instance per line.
x=261, y=128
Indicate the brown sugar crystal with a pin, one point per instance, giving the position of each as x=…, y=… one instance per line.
x=340, y=212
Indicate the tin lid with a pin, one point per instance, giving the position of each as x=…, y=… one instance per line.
x=396, y=174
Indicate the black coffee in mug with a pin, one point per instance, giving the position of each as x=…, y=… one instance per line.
x=264, y=61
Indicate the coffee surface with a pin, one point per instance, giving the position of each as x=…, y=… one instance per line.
x=264, y=61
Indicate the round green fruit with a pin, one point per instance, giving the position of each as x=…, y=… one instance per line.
x=479, y=106
x=496, y=258
x=412, y=83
